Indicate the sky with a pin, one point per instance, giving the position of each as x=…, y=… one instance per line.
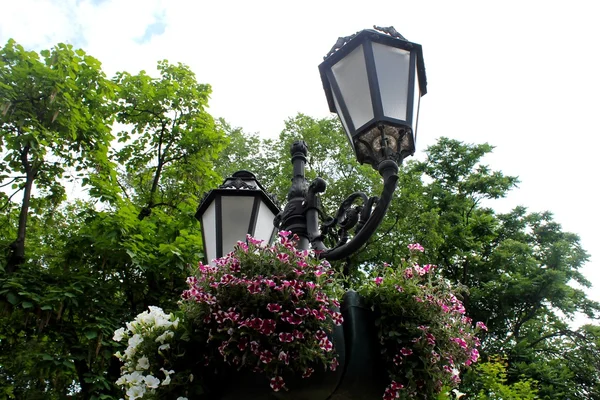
x=520, y=75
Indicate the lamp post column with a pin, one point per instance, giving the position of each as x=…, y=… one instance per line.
x=293, y=217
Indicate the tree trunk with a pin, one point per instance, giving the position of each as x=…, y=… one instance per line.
x=16, y=256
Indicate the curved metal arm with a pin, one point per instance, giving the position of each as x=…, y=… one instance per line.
x=302, y=212
x=388, y=170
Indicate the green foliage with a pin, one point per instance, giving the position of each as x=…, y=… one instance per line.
x=92, y=265
x=521, y=268
x=54, y=124
x=489, y=380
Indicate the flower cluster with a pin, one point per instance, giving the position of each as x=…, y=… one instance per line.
x=149, y=338
x=425, y=335
x=268, y=309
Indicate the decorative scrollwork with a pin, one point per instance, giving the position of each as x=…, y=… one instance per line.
x=390, y=30
x=340, y=43
x=349, y=216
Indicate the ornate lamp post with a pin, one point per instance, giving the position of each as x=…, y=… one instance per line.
x=373, y=80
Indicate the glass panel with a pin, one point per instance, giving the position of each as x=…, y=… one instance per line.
x=351, y=75
x=236, y=212
x=264, y=223
x=417, y=103
x=348, y=133
x=392, y=65
x=209, y=229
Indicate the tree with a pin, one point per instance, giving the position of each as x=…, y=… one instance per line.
x=521, y=270
x=93, y=264
x=53, y=117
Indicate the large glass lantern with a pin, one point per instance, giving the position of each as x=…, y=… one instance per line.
x=374, y=80
x=240, y=206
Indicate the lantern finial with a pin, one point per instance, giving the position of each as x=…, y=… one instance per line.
x=390, y=30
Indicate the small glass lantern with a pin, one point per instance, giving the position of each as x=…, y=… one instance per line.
x=373, y=81
x=240, y=206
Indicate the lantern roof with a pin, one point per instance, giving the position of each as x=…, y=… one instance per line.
x=240, y=183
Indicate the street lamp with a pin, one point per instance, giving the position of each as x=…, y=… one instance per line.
x=240, y=206
x=373, y=80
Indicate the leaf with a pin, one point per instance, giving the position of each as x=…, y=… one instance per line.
x=91, y=334
x=12, y=298
x=27, y=304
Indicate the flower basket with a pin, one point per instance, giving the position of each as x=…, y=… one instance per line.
x=264, y=323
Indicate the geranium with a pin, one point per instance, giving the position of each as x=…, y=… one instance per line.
x=425, y=345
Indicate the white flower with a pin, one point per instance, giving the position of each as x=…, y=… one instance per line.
x=191, y=377
x=135, y=378
x=182, y=398
x=136, y=392
x=167, y=380
x=143, y=363
x=119, y=334
x=166, y=335
x=165, y=346
x=135, y=340
x=152, y=382
x=130, y=352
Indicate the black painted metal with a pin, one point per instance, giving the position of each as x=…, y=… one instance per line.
x=364, y=377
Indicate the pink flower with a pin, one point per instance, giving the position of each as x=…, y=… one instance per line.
x=284, y=234
x=283, y=257
x=319, y=315
x=378, y=281
x=298, y=335
x=266, y=356
x=252, y=240
x=461, y=342
x=406, y=352
x=286, y=337
x=294, y=320
x=285, y=357
x=267, y=327
x=416, y=247
x=408, y=273
x=334, y=364
x=308, y=372
x=337, y=318
x=325, y=344
x=428, y=267
x=481, y=326
x=302, y=312
x=430, y=339
x=399, y=288
x=277, y=382
x=254, y=288
x=273, y=307
x=243, y=246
